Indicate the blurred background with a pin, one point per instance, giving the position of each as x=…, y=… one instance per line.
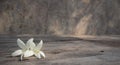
x=60, y=17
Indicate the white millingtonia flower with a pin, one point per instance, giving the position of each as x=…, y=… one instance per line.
x=29, y=49
x=37, y=50
x=24, y=51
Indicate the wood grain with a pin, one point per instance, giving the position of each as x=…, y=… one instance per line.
x=63, y=51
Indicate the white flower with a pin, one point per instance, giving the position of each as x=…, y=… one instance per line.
x=29, y=49
x=24, y=51
x=37, y=49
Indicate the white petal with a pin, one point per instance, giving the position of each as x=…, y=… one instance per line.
x=42, y=54
x=38, y=55
x=30, y=43
x=39, y=46
x=28, y=53
x=21, y=44
x=17, y=52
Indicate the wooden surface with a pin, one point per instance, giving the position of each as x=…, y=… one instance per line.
x=64, y=51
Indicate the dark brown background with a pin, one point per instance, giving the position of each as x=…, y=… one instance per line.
x=60, y=17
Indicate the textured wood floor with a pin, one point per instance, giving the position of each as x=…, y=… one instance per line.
x=64, y=51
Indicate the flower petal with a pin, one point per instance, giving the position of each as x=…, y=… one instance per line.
x=28, y=53
x=21, y=44
x=42, y=54
x=17, y=52
x=30, y=43
x=39, y=46
x=38, y=55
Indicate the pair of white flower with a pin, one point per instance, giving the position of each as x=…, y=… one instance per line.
x=29, y=49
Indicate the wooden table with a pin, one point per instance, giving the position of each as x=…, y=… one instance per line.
x=64, y=51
